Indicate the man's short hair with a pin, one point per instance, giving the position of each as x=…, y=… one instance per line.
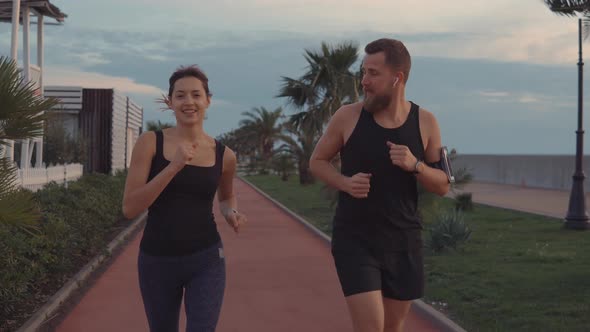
x=396, y=54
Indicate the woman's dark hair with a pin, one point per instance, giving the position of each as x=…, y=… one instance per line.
x=193, y=71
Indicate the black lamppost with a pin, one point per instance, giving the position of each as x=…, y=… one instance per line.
x=577, y=217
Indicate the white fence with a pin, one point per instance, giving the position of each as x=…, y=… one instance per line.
x=35, y=178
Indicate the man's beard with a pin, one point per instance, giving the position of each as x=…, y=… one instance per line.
x=377, y=103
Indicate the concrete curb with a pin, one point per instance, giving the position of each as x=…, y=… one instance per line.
x=443, y=323
x=53, y=304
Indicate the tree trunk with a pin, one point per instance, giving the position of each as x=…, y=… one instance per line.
x=305, y=176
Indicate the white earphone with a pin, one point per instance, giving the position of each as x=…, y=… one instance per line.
x=395, y=82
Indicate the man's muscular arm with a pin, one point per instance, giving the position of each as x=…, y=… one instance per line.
x=432, y=179
x=326, y=149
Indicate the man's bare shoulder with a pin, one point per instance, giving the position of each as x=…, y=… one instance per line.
x=349, y=112
x=349, y=109
x=427, y=118
x=429, y=129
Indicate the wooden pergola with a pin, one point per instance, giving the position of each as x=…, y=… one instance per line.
x=19, y=12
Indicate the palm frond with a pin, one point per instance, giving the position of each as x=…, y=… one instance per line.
x=17, y=207
x=261, y=127
x=568, y=7
x=297, y=92
x=325, y=86
x=158, y=125
x=573, y=8
x=22, y=111
x=8, y=177
x=307, y=122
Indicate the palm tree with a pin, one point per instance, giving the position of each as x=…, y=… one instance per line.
x=327, y=84
x=283, y=165
x=299, y=143
x=242, y=141
x=21, y=117
x=577, y=217
x=568, y=7
x=157, y=125
x=265, y=127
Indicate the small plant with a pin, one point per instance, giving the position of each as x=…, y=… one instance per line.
x=448, y=231
x=464, y=202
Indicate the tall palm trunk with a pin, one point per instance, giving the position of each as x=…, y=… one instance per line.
x=305, y=176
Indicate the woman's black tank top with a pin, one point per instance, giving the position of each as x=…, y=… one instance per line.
x=180, y=222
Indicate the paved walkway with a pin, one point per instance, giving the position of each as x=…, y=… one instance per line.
x=553, y=203
x=280, y=277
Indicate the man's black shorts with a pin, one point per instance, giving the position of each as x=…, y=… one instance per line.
x=398, y=274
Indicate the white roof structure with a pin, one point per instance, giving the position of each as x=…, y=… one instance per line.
x=19, y=12
x=42, y=7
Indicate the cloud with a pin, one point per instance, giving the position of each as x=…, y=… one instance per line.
x=76, y=77
x=500, y=30
x=102, y=46
x=540, y=102
x=157, y=57
x=89, y=59
x=529, y=99
x=215, y=102
x=494, y=93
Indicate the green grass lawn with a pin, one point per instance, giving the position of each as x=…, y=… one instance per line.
x=518, y=272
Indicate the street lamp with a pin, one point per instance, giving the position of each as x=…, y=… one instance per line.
x=577, y=217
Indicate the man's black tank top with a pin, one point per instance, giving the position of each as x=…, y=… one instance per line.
x=180, y=222
x=388, y=218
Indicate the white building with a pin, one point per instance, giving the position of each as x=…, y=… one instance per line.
x=108, y=121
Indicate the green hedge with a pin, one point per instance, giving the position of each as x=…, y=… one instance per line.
x=76, y=224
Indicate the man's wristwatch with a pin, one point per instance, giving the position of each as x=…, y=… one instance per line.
x=418, y=162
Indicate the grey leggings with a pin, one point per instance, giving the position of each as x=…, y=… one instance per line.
x=163, y=279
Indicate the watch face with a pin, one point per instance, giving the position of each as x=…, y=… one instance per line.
x=416, y=167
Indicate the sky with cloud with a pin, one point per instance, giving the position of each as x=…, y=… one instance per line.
x=500, y=76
